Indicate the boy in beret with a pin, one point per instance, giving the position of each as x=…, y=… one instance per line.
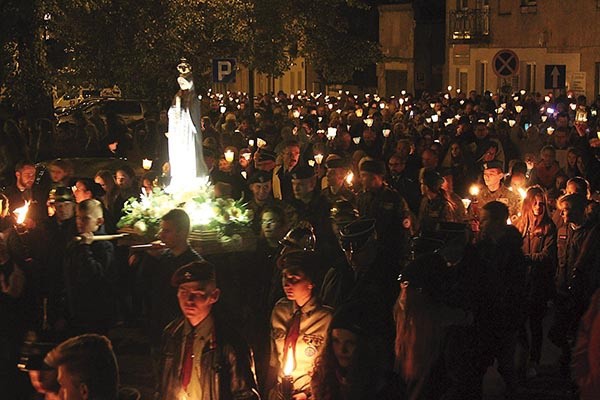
x=495, y=190
x=202, y=358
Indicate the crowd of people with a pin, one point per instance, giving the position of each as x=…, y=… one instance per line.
x=405, y=245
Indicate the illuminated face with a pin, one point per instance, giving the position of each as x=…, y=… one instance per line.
x=396, y=165
x=291, y=155
x=71, y=388
x=490, y=154
x=296, y=285
x=492, y=177
x=101, y=182
x=196, y=299
x=81, y=192
x=303, y=187
x=538, y=206
x=87, y=222
x=271, y=226
x=170, y=235
x=64, y=210
x=335, y=176
x=455, y=150
x=371, y=181
x=261, y=191
x=569, y=214
x=571, y=159
x=57, y=174
x=344, y=344
x=123, y=180
x=429, y=160
x=26, y=177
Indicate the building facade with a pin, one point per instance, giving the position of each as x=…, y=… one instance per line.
x=396, y=37
x=510, y=45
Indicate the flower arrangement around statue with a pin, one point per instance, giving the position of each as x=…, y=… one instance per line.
x=211, y=218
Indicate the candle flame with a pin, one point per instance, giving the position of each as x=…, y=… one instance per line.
x=21, y=212
x=474, y=190
x=522, y=192
x=349, y=178
x=288, y=368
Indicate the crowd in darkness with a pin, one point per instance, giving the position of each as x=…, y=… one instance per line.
x=404, y=246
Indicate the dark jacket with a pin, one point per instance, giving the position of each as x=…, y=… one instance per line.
x=226, y=365
x=90, y=281
x=539, y=246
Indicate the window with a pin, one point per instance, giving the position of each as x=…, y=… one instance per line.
x=461, y=80
x=481, y=76
x=530, y=76
x=462, y=4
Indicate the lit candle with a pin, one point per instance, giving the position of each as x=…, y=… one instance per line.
x=550, y=130
x=546, y=98
x=474, y=190
x=359, y=112
x=511, y=122
x=261, y=143
x=369, y=122
x=223, y=109
x=247, y=156
x=349, y=178
x=319, y=158
x=435, y=118
x=449, y=88
x=311, y=163
x=573, y=106
x=356, y=140
x=386, y=132
x=598, y=133
x=287, y=382
x=518, y=108
x=544, y=118
x=522, y=193
x=296, y=114
x=466, y=203
x=146, y=164
x=251, y=142
x=331, y=133
x=21, y=213
x=229, y=156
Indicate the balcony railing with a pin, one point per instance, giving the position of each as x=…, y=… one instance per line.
x=469, y=25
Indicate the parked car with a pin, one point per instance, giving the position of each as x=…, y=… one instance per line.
x=132, y=111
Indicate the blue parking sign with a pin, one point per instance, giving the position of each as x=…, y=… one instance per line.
x=223, y=70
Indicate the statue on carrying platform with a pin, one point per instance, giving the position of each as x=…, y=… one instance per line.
x=185, y=135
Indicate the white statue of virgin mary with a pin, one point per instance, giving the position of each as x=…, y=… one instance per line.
x=185, y=136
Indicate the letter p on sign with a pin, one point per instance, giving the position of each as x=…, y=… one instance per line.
x=224, y=70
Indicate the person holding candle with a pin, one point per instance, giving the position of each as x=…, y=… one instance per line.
x=202, y=357
x=299, y=324
x=539, y=246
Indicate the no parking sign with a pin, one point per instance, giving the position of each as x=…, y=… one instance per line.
x=505, y=63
